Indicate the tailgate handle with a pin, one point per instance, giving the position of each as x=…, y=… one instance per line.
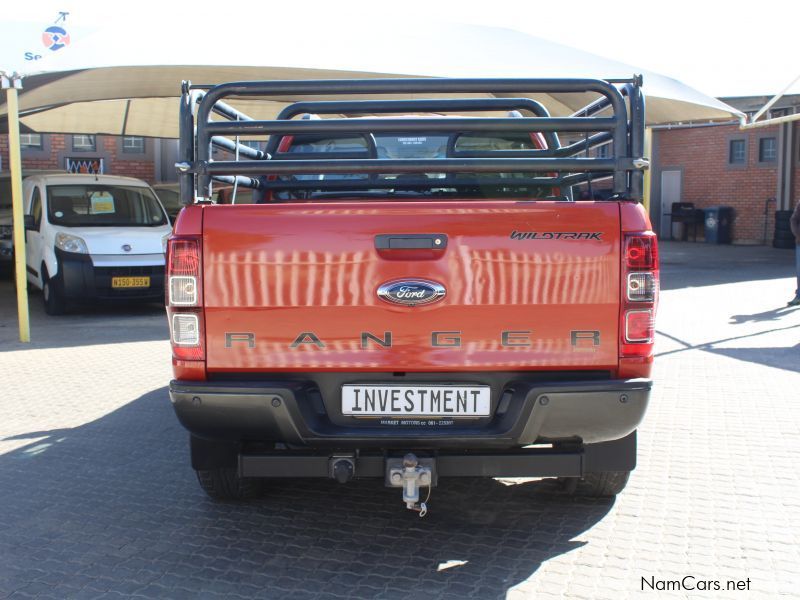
x=411, y=241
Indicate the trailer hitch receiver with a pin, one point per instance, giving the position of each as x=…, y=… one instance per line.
x=410, y=475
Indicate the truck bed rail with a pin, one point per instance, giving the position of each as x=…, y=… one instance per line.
x=616, y=116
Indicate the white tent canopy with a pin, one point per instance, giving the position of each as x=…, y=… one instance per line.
x=102, y=86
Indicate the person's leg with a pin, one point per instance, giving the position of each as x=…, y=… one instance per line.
x=797, y=268
x=796, y=300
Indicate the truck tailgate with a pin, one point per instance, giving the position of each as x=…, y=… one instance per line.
x=529, y=285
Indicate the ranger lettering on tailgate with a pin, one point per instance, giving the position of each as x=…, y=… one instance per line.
x=508, y=339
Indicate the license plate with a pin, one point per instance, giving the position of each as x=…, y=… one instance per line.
x=130, y=282
x=416, y=400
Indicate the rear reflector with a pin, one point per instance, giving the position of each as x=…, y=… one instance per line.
x=639, y=326
x=185, y=329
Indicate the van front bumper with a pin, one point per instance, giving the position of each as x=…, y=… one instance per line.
x=84, y=277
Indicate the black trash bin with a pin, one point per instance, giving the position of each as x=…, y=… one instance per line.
x=718, y=224
x=784, y=238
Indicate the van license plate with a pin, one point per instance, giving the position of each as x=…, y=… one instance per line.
x=416, y=400
x=130, y=282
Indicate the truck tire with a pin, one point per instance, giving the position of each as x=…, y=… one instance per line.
x=54, y=302
x=225, y=484
x=606, y=484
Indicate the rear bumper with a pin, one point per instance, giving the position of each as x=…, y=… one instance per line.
x=523, y=413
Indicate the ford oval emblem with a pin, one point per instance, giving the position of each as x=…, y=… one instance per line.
x=126, y=247
x=411, y=292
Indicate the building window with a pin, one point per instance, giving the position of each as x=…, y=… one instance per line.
x=738, y=152
x=30, y=141
x=776, y=113
x=133, y=144
x=767, y=149
x=84, y=143
x=603, y=151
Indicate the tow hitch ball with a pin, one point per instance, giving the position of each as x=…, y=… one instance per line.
x=411, y=476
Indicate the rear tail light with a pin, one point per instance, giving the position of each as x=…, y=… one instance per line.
x=183, y=271
x=182, y=290
x=641, y=287
x=185, y=298
x=185, y=329
x=639, y=326
x=639, y=294
x=641, y=251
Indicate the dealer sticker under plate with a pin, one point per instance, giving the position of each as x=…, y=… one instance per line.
x=416, y=400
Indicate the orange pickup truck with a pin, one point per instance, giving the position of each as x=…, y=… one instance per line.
x=413, y=297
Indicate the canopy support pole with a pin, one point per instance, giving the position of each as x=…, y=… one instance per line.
x=648, y=153
x=11, y=83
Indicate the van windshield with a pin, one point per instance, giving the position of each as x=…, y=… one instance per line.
x=103, y=206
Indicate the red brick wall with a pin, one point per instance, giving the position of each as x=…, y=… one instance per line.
x=709, y=180
x=141, y=169
x=107, y=146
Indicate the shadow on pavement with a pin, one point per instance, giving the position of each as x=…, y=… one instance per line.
x=113, y=506
x=83, y=325
x=685, y=264
x=779, y=358
x=768, y=315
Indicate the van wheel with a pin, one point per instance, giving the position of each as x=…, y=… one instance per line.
x=225, y=484
x=605, y=484
x=54, y=303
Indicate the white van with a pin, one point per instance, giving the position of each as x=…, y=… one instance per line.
x=93, y=237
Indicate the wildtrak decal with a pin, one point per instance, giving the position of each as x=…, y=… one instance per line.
x=556, y=235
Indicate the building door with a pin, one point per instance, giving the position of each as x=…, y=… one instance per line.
x=169, y=156
x=671, y=184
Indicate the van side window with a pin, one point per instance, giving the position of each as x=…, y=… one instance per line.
x=36, y=208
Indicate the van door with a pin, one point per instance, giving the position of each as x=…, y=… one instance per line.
x=33, y=238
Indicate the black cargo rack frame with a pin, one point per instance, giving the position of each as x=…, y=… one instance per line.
x=562, y=165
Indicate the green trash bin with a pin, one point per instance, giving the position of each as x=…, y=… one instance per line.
x=718, y=224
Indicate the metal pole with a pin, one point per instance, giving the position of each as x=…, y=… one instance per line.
x=648, y=152
x=11, y=83
x=775, y=98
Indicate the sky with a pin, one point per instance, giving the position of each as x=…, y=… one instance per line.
x=713, y=46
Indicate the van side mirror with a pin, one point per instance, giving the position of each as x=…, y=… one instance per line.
x=29, y=222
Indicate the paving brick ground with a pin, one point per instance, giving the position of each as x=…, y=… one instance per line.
x=97, y=498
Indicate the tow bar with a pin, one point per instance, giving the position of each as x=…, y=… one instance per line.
x=411, y=475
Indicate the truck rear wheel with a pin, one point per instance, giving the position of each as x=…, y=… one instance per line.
x=225, y=484
x=605, y=484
